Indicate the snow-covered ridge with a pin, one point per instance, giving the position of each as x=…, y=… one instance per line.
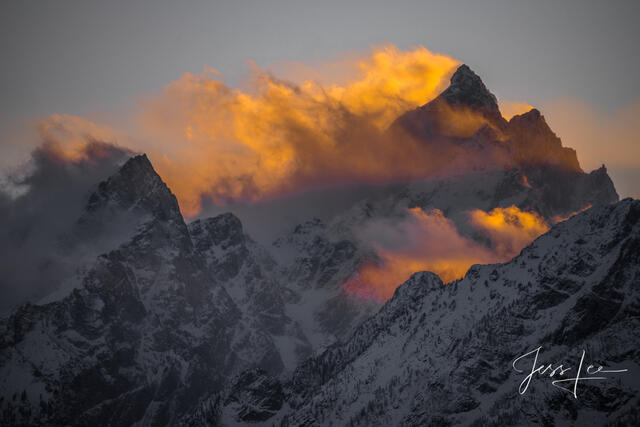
x=198, y=323
x=442, y=354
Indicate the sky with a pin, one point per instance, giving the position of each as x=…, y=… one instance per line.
x=576, y=61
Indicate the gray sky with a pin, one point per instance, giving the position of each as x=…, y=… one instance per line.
x=95, y=58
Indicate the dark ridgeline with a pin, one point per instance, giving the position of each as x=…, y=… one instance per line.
x=442, y=355
x=201, y=325
x=524, y=143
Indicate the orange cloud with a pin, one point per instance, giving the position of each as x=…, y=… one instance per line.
x=277, y=137
x=509, y=229
x=74, y=139
x=430, y=241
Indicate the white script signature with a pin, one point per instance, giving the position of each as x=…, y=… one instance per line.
x=592, y=372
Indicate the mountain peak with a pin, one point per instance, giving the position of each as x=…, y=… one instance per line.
x=532, y=115
x=466, y=94
x=467, y=89
x=531, y=123
x=139, y=163
x=464, y=73
x=136, y=186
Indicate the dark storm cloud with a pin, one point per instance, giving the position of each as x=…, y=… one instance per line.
x=35, y=258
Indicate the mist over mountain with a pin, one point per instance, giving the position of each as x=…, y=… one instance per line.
x=34, y=246
x=321, y=320
x=442, y=355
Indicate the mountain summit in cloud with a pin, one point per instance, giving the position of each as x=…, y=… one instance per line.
x=169, y=322
x=467, y=89
x=463, y=126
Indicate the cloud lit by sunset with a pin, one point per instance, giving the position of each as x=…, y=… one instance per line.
x=272, y=138
x=431, y=242
x=73, y=139
x=220, y=143
x=509, y=229
x=318, y=213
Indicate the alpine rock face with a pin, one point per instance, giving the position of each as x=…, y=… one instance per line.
x=440, y=354
x=199, y=324
x=251, y=277
x=149, y=331
x=519, y=163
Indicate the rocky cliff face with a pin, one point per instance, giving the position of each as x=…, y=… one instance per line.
x=164, y=326
x=148, y=332
x=465, y=126
x=444, y=355
x=199, y=324
x=253, y=280
x=534, y=144
x=519, y=162
x=465, y=107
x=468, y=91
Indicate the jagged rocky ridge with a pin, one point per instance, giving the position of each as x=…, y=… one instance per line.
x=175, y=315
x=148, y=333
x=442, y=354
x=465, y=129
x=165, y=324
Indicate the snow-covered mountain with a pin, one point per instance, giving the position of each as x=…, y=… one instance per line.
x=199, y=323
x=441, y=355
x=251, y=277
x=149, y=331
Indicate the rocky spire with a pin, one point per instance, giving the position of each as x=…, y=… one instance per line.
x=468, y=90
x=534, y=143
x=136, y=186
x=437, y=118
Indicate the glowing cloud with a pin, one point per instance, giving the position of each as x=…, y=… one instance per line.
x=430, y=241
x=423, y=241
x=276, y=137
x=74, y=139
x=509, y=229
